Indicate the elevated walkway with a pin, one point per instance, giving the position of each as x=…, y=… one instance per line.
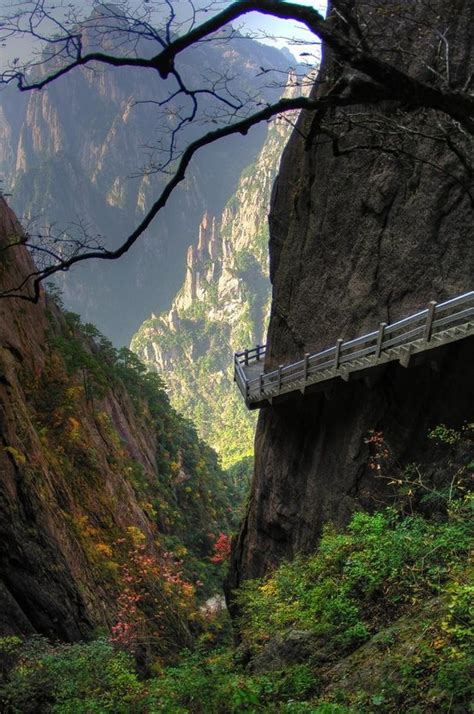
x=437, y=325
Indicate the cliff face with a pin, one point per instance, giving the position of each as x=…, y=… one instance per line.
x=359, y=236
x=72, y=155
x=222, y=306
x=98, y=476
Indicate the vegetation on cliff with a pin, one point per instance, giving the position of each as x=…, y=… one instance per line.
x=377, y=619
x=188, y=501
x=222, y=306
x=113, y=510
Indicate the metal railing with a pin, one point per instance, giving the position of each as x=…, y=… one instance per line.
x=427, y=326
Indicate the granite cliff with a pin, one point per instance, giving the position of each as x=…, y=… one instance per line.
x=363, y=230
x=222, y=305
x=109, y=503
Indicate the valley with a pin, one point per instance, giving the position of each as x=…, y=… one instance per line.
x=163, y=547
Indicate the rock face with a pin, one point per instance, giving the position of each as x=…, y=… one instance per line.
x=73, y=154
x=222, y=306
x=85, y=467
x=359, y=236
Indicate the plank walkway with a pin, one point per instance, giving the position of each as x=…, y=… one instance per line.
x=437, y=325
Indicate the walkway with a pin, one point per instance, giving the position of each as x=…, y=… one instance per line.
x=437, y=325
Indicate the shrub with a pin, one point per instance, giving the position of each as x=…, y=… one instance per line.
x=357, y=580
x=72, y=679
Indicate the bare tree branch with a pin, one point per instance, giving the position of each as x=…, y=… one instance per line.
x=240, y=127
x=397, y=83
x=365, y=78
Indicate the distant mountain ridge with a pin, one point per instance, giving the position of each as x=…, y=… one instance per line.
x=67, y=154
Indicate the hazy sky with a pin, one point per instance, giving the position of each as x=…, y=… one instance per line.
x=282, y=29
x=261, y=24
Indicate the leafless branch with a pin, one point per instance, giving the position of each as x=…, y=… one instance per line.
x=366, y=76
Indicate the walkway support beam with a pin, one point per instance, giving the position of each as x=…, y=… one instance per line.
x=380, y=335
x=337, y=357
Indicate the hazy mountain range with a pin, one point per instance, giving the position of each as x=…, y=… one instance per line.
x=72, y=154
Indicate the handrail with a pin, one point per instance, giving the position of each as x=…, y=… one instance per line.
x=424, y=325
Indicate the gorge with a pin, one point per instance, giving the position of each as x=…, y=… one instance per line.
x=349, y=583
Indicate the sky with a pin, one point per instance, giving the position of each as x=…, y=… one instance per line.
x=281, y=29
x=268, y=29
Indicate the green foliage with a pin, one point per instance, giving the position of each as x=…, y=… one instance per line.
x=246, y=265
x=202, y=361
x=189, y=479
x=94, y=677
x=9, y=647
x=404, y=578
x=444, y=434
x=213, y=325
x=71, y=679
x=239, y=478
x=55, y=293
x=381, y=559
x=212, y=684
x=93, y=407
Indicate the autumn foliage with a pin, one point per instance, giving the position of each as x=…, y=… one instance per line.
x=221, y=549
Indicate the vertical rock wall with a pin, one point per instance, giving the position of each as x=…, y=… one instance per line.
x=359, y=236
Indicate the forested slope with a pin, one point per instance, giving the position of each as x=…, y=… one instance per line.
x=110, y=504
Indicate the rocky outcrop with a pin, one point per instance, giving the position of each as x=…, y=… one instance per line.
x=359, y=236
x=86, y=467
x=37, y=591
x=222, y=306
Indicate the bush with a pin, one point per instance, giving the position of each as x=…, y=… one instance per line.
x=213, y=684
x=357, y=580
x=72, y=679
x=405, y=578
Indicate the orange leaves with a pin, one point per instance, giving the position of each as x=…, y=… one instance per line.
x=104, y=549
x=73, y=429
x=154, y=591
x=378, y=450
x=221, y=549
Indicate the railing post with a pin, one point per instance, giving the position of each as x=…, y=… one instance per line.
x=258, y=353
x=261, y=384
x=338, y=352
x=279, y=378
x=246, y=358
x=429, y=320
x=378, y=349
x=306, y=367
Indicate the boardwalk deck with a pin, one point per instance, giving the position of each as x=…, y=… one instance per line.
x=437, y=325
